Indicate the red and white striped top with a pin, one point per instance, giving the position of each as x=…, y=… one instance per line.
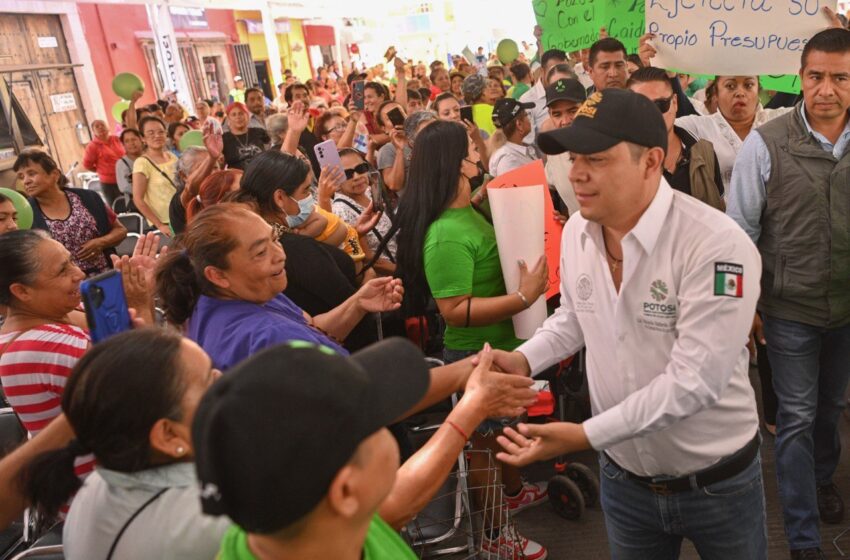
x=34, y=368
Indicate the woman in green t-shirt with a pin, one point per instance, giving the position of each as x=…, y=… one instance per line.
x=447, y=249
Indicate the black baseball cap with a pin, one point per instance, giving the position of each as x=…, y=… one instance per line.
x=565, y=90
x=607, y=118
x=271, y=435
x=505, y=110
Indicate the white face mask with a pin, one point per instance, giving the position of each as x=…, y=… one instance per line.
x=305, y=208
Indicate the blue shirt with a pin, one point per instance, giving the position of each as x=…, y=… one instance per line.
x=231, y=330
x=747, y=196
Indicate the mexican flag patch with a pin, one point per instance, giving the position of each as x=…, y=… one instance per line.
x=728, y=279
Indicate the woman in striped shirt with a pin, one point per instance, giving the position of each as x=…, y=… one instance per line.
x=44, y=335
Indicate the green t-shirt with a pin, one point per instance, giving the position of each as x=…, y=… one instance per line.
x=382, y=543
x=461, y=257
x=518, y=90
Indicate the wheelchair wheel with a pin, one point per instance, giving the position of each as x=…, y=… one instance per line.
x=586, y=480
x=565, y=496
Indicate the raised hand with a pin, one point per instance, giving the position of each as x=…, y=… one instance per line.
x=298, y=117
x=213, y=140
x=367, y=220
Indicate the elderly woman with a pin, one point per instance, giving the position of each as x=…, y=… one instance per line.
x=225, y=288
x=332, y=126
x=44, y=333
x=481, y=95
x=101, y=154
x=276, y=127
x=77, y=218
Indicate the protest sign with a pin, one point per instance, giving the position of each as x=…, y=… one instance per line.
x=535, y=174
x=789, y=83
x=572, y=25
x=733, y=37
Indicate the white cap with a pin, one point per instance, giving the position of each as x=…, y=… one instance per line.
x=238, y=79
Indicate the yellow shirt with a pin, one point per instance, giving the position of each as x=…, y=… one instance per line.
x=160, y=190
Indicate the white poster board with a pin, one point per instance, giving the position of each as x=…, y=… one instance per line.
x=168, y=61
x=518, y=221
x=733, y=37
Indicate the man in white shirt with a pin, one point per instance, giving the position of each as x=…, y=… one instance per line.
x=661, y=289
x=511, y=117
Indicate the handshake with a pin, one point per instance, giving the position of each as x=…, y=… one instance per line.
x=499, y=386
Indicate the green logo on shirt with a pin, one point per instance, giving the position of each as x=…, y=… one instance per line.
x=658, y=290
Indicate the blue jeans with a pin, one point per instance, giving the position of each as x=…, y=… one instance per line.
x=724, y=521
x=811, y=367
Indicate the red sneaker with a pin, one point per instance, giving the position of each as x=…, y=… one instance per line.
x=531, y=495
x=510, y=545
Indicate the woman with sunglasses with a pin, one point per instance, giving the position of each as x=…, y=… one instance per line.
x=691, y=165
x=354, y=196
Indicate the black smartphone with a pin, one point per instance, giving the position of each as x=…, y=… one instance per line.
x=376, y=191
x=105, y=305
x=466, y=113
x=396, y=117
x=358, y=90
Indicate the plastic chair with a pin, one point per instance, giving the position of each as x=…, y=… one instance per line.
x=121, y=205
x=51, y=552
x=127, y=245
x=12, y=434
x=134, y=222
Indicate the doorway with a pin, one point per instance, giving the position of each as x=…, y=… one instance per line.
x=264, y=82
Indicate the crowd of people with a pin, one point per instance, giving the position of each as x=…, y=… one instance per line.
x=256, y=408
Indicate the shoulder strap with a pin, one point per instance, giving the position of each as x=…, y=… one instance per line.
x=132, y=518
x=163, y=173
x=349, y=204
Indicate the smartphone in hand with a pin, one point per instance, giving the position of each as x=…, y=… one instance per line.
x=376, y=191
x=105, y=305
x=466, y=113
x=358, y=90
x=396, y=117
x=328, y=156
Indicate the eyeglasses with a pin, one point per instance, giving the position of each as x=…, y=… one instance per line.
x=361, y=169
x=338, y=128
x=663, y=104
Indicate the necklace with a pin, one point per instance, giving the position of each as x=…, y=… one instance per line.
x=617, y=262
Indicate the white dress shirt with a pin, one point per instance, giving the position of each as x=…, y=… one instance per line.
x=719, y=132
x=510, y=156
x=666, y=360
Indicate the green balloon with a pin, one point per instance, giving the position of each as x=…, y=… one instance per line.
x=191, y=138
x=118, y=108
x=126, y=84
x=507, y=51
x=22, y=207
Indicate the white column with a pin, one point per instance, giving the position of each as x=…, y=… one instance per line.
x=272, y=47
x=168, y=53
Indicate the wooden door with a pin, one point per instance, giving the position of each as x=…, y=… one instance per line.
x=51, y=97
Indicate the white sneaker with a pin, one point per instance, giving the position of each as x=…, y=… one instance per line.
x=510, y=545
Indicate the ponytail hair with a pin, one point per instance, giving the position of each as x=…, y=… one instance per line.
x=208, y=240
x=49, y=481
x=212, y=190
x=115, y=394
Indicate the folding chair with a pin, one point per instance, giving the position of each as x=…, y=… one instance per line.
x=128, y=244
x=134, y=222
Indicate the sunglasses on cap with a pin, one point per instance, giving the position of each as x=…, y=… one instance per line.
x=360, y=169
x=663, y=104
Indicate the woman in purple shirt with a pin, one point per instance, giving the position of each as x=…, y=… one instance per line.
x=225, y=288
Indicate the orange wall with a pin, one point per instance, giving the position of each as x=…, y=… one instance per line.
x=110, y=32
